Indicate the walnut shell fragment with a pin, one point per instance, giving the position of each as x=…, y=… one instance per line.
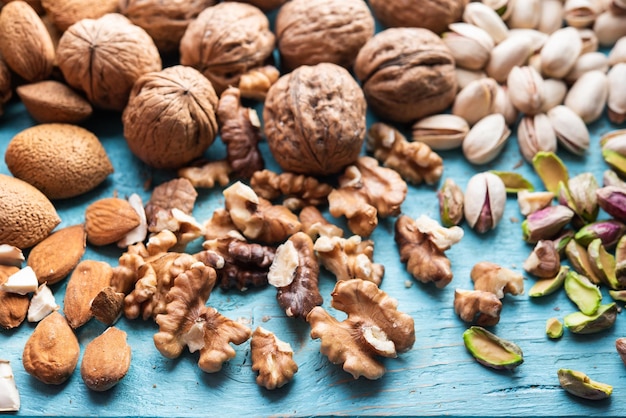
x=315, y=119
x=225, y=41
x=164, y=20
x=374, y=327
x=170, y=118
x=272, y=359
x=406, y=74
x=309, y=32
x=435, y=15
x=104, y=57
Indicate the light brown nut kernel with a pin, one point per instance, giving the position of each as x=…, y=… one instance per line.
x=491, y=277
x=374, y=327
x=87, y=280
x=104, y=57
x=351, y=258
x=297, y=190
x=13, y=307
x=25, y=43
x=51, y=353
x=52, y=101
x=108, y=220
x=272, y=359
x=255, y=83
x=57, y=255
x=61, y=160
x=26, y=214
x=106, y=360
x=315, y=225
x=207, y=175
x=477, y=306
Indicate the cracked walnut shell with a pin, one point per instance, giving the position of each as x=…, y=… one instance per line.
x=104, y=57
x=406, y=73
x=312, y=31
x=435, y=15
x=225, y=41
x=170, y=118
x=315, y=119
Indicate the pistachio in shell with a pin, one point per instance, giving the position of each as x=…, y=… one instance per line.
x=582, y=292
x=492, y=351
x=514, y=182
x=579, y=384
x=604, y=318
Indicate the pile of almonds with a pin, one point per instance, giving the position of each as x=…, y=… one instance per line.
x=544, y=69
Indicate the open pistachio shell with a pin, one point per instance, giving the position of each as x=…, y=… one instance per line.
x=604, y=318
x=579, y=259
x=554, y=328
x=582, y=292
x=492, y=351
x=547, y=286
x=603, y=264
x=551, y=170
x=579, y=384
x=513, y=182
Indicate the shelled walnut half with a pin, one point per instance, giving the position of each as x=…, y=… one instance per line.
x=272, y=359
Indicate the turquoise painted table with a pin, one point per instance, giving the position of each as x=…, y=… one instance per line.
x=436, y=377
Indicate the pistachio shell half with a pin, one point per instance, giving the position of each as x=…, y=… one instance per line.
x=579, y=259
x=604, y=318
x=579, y=384
x=513, y=182
x=554, y=328
x=492, y=351
x=603, y=264
x=585, y=295
x=551, y=170
x=545, y=287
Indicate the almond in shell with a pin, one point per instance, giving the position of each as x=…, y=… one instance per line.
x=13, y=307
x=87, y=280
x=109, y=220
x=51, y=353
x=52, y=101
x=106, y=360
x=55, y=257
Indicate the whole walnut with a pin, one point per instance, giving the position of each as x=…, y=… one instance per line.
x=104, y=57
x=435, y=15
x=406, y=73
x=315, y=119
x=170, y=118
x=225, y=41
x=35, y=4
x=312, y=31
x=266, y=5
x=164, y=20
x=64, y=13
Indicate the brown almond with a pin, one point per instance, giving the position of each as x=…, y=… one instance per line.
x=25, y=42
x=60, y=159
x=107, y=306
x=52, y=101
x=13, y=307
x=109, y=220
x=106, y=360
x=51, y=353
x=87, y=280
x=26, y=214
x=55, y=257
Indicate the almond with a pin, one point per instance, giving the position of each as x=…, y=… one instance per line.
x=109, y=220
x=87, y=280
x=59, y=159
x=55, y=257
x=106, y=360
x=26, y=214
x=51, y=353
x=52, y=101
x=13, y=307
x=25, y=42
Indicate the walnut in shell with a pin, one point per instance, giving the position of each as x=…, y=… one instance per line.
x=104, y=58
x=164, y=20
x=435, y=15
x=406, y=73
x=315, y=119
x=225, y=41
x=64, y=13
x=266, y=5
x=312, y=31
x=170, y=118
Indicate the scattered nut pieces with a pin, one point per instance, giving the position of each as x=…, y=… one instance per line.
x=22, y=282
x=554, y=328
x=477, y=306
x=579, y=384
x=603, y=319
x=491, y=277
x=272, y=359
x=422, y=243
x=415, y=161
x=315, y=225
x=208, y=174
x=106, y=360
x=544, y=261
x=297, y=190
x=9, y=395
x=374, y=327
x=10, y=255
x=55, y=257
x=295, y=272
x=42, y=304
x=349, y=258
x=255, y=83
x=87, y=280
x=51, y=353
x=107, y=306
x=530, y=202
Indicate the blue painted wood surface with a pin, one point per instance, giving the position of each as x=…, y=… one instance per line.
x=436, y=377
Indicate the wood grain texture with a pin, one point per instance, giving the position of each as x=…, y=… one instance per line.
x=436, y=377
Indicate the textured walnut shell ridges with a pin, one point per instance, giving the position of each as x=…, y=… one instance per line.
x=309, y=32
x=225, y=41
x=164, y=20
x=61, y=160
x=406, y=73
x=315, y=119
x=104, y=58
x=435, y=15
x=64, y=13
x=170, y=118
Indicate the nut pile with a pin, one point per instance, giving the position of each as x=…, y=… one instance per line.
x=499, y=67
